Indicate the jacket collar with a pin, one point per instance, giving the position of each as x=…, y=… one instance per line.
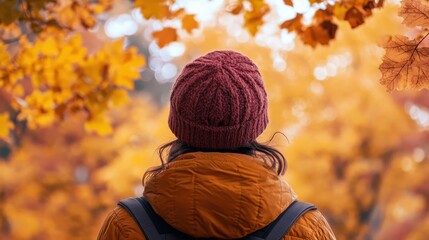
x=221, y=195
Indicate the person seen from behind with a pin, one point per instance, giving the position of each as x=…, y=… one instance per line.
x=216, y=180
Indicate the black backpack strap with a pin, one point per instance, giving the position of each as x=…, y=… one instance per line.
x=141, y=216
x=155, y=228
x=151, y=224
x=277, y=229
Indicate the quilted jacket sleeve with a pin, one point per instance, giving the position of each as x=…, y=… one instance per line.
x=311, y=226
x=120, y=225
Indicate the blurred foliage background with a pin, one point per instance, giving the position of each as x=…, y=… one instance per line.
x=84, y=90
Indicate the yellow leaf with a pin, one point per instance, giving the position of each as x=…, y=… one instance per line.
x=47, y=47
x=4, y=55
x=119, y=97
x=340, y=10
x=44, y=119
x=5, y=125
x=99, y=124
x=121, y=67
x=92, y=69
x=165, y=36
x=253, y=18
x=154, y=8
x=189, y=23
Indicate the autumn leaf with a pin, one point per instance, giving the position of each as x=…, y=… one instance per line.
x=380, y=3
x=189, y=23
x=315, y=1
x=415, y=13
x=99, y=124
x=368, y=5
x=288, y=2
x=234, y=6
x=5, y=125
x=119, y=97
x=157, y=8
x=165, y=36
x=8, y=12
x=253, y=18
x=340, y=10
x=323, y=15
x=177, y=13
x=294, y=24
x=355, y=17
x=405, y=64
x=320, y=34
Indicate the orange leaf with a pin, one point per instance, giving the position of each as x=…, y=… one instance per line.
x=234, y=7
x=354, y=17
x=189, y=23
x=319, y=34
x=415, y=13
x=288, y=2
x=9, y=13
x=165, y=36
x=368, y=6
x=380, y=3
x=154, y=8
x=293, y=24
x=404, y=65
x=177, y=13
x=322, y=15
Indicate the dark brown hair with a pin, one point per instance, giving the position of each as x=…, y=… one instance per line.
x=272, y=157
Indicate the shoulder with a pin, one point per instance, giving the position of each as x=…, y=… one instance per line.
x=311, y=226
x=120, y=225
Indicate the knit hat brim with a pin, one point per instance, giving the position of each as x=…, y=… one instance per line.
x=225, y=137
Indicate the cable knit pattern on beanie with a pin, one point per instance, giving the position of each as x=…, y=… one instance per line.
x=218, y=102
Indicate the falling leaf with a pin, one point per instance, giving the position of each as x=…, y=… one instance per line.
x=415, y=13
x=189, y=23
x=405, y=64
x=354, y=17
x=165, y=36
x=288, y=2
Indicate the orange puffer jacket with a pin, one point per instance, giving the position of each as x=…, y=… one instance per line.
x=220, y=195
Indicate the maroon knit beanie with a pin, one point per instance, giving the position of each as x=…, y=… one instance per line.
x=218, y=102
